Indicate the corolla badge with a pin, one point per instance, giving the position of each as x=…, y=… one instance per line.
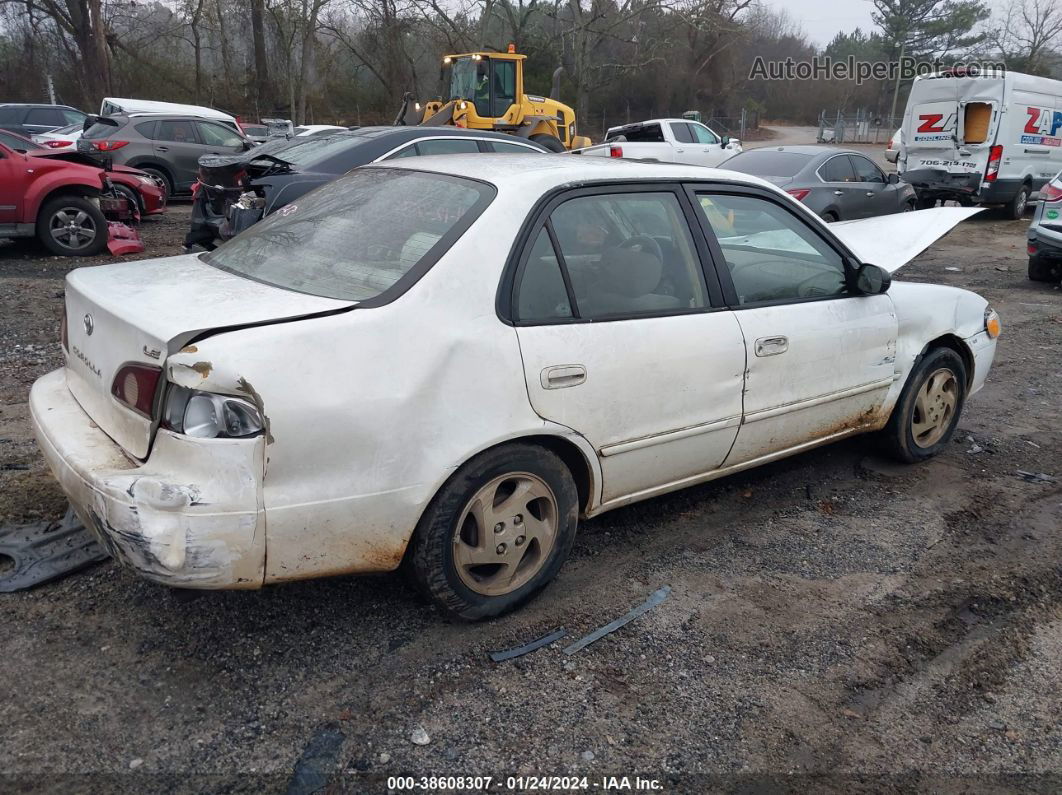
x=89, y=325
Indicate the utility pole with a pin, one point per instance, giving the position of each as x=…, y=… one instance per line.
x=51, y=88
x=899, y=70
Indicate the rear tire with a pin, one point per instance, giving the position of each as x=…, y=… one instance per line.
x=551, y=142
x=1015, y=208
x=925, y=204
x=924, y=418
x=496, y=533
x=830, y=217
x=1041, y=270
x=72, y=226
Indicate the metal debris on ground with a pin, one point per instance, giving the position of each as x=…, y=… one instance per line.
x=1035, y=477
x=317, y=763
x=527, y=648
x=654, y=599
x=46, y=551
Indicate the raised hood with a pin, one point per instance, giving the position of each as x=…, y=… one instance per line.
x=141, y=312
x=891, y=241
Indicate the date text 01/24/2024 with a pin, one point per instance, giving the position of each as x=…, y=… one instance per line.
x=521, y=784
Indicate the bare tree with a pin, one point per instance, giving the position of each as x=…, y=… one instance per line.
x=1024, y=32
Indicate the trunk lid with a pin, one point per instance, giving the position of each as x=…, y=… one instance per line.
x=141, y=312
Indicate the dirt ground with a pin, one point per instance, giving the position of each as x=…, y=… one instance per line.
x=836, y=622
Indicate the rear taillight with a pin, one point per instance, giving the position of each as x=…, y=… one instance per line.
x=1051, y=192
x=615, y=151
x=1031, y=249
x=995, y=155
x=57, y=144
x=64, y=335
x=135, y=386
x=108, y=146
x=799, y=193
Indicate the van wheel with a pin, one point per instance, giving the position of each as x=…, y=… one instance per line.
x=1041, y=270
x=551, y=142
x=72, y=226
x=928, y=410
x=497, y=532
x=1015, y=208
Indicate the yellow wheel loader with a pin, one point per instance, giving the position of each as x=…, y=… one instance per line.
x=485, y=91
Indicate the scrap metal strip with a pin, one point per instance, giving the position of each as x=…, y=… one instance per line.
x=654, y=599
x=527, y=648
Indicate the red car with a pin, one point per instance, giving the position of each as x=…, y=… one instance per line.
x=71, y=205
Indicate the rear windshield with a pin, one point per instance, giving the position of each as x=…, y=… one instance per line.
x=316, y=150
x=101, y=128
x=648, y=133
x=768, y=164
x=355, y=237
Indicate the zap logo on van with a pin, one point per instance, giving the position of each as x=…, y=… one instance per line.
x=1042, y=127
x=934, y=121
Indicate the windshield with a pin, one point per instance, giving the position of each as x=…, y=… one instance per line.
x=768, y=164
x=101, y=128
x=354, y=238
x=463, y=78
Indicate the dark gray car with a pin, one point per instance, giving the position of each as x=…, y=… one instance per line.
x=28, y=120
x=162, y=144
x=836, y=184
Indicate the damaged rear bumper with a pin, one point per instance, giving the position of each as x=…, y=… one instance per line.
x=190, y=516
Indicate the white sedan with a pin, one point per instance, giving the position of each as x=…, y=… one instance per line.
x=449, y=360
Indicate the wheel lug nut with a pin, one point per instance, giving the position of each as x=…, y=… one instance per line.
x=499, y=527
x=520, y=540
x=501, y=549
x=518, y=519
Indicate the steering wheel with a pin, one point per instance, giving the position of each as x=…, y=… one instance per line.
x=645, y=244
x=820, y=284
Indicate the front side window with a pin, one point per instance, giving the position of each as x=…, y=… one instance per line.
x=704, y=135
x=445, y=146
x=73, y=116
x=624, y=255
x=216, y=135
x=357, y=236
x=865, y=170
x=770, y=253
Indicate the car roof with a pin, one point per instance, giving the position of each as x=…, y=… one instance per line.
x=544, y=171
x=36, y=105
x=813, y=151
x=429, y=132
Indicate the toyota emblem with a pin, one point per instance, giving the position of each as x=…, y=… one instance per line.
x=88, y=324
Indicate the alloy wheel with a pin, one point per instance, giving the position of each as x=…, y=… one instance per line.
x=73, y=228
x=505, y=533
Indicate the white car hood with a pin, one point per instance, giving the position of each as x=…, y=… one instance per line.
x=891, y=241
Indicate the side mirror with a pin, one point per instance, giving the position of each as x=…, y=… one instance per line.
x=724, y=141
x=894, y=178
x=872, y=280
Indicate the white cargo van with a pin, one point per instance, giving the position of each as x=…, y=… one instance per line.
x=113, y=105
x=989, y=138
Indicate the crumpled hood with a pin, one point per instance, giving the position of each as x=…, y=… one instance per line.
x=891, y=241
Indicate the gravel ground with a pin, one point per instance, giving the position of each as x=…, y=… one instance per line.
x=836, y=622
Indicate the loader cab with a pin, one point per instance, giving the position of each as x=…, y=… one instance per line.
x=491, y=82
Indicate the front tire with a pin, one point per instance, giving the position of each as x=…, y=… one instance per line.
x=927, y=413
x=72, y=226
x=551, y=142
x=1041, y=270
x=131, y=196
x=497, y=532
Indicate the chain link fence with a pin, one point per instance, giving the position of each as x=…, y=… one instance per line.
x=859, y=127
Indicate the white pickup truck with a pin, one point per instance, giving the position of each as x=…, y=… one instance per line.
x=667, y=141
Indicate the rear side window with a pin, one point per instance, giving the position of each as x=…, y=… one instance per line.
x=838, y=169
x=511, y=149
x=624, y=255
x=446, y=147
x=147, y=129
x=647, y=133
x=10, y=115
x=682, y=132
x=45, y=117
x=356, y=237
x=176, y=130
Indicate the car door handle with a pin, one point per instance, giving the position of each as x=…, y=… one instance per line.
x=563, y=376
x=838, y=193
x=679, y=150
x=162, y=148
x=771, y=346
